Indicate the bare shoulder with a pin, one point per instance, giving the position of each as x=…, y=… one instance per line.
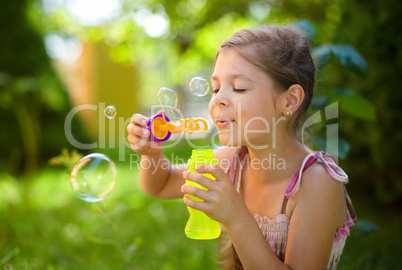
x=224, y=156
x=320, y=191
x=319, y=211
x=316, y=179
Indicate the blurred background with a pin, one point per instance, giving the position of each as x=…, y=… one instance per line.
x=60, y=54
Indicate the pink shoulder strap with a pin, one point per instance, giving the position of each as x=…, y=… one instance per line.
x=321, y=157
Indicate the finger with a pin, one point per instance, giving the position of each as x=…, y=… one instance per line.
x=214, y=170
x=147, y=143
x=162, y=112
x=138, y=135
x=138, y=131
x=195, y=191
x=202, y=206
x=139, y=119
x=199, y=179
x=134, y=139
x=137, y=147
x=129, y=127
x=137, y=144
x=155, y=144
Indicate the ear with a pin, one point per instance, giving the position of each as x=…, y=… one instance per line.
x=292, y=99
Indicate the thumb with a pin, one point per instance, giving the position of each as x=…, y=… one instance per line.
x=161, y=112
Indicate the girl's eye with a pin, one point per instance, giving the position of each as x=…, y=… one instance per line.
x=214, y=91
x=239, y=90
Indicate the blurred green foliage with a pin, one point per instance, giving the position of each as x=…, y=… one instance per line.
x=327, y=98
x=33, y=102
x=374, y=27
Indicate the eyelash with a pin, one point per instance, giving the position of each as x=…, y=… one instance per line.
x=239, y=90
x=236, y=90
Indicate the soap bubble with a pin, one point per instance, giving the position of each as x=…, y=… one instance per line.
x=110, y=112
x=93, y=177
x=167, y=96
x=174, y=113
x=199, y=86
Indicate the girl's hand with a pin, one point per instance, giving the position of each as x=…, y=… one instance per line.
x=138, y=136
x=221, y=201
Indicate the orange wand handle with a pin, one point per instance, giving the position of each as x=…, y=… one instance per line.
x=161, y=128
x=188, y=125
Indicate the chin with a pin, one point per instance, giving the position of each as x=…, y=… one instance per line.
x=227, y=139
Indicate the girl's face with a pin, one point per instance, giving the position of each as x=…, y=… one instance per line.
x=243, y=104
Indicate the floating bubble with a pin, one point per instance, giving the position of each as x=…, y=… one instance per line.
x=110, y=112
x=173, y=113
x=167, y=96
x=199, y=86
x=93, y=177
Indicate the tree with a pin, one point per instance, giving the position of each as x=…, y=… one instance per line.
x=32, y=100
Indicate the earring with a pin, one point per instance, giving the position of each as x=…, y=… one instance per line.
x=287, y=113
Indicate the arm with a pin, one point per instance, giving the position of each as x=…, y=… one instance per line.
x=158, y=177
x=319, y=211
x=311, y=230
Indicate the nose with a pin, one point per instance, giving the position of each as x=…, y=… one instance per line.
x=221, y=99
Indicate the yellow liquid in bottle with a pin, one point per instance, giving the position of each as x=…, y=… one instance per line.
x=200, y=226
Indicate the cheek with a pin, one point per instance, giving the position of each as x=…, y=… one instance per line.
x=257, y=115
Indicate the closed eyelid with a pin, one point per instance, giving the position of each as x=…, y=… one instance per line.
x=215, y=84
x=236, y=81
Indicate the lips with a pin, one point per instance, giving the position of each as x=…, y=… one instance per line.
x=223, y=122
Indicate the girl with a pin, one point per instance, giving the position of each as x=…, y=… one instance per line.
x=295, y=215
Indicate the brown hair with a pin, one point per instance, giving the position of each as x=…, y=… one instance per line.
x=283, y=54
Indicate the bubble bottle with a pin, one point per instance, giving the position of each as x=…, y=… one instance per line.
x=200, y=226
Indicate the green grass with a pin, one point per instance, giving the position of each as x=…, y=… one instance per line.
x=51, y=228
x=43, y=225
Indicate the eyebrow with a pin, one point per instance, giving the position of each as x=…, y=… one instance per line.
x=232, y=76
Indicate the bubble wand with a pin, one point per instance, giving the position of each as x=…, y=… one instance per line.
x=161, y=128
